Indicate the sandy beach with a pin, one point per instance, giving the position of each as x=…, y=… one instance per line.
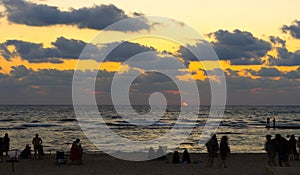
x=250, y=164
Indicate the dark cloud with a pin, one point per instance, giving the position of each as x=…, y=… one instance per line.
x=232, y=73
x=124, y=50
x=36, y=53
x=265, y=90
x=96, y=17
x=285, y=58
x=48, y=86
x=240, y=47
x=202, y=49
x=45, y=86
x=293, y=29
x=64, y=48
x=295, y=74
x=68, y=48
x=25, y=86
x=151, y=82
x=277, y=40
x=267, y=72
x=246, y=61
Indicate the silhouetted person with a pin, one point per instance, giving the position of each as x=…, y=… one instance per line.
x=176, y=157
x=274, y=122
x=76, y=151
x=6, y=141
x=161, y=153
x=224, y=150
x=186, y=158
x=1, y=149
x=37, y=146
x=268, y=122
x=293, y=147
x=270, y=148
x=151, y=153
x=282, y=149
x=212, y=149
x=26, y=153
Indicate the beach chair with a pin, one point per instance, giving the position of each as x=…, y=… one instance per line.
x=60, y=158
x=13, y=156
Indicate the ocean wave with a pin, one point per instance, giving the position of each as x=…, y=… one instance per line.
x=6, y=120
x=13, y=128
x=29, y=125
x=237, y=133
x=68, y=120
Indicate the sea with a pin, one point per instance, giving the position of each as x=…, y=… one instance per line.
x=58, y=126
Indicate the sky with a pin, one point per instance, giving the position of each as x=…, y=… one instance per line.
x=257, y=43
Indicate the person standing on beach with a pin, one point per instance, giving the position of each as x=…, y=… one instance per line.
x=270, y=148
x=282, y=149
x=268, y=122
x=274, y=122
x=212, y=149
x=6, y=141
x=224, y=150
x=37, y=144
x=293, y=147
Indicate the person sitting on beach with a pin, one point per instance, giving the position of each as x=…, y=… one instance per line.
x=293, y=147
x=270, y=148
x=151, y=153
x=161, y=153
x=1, y=149
x=282, y=149
x=76, y=151
x=212, y=149
x=224, y=150
x=37, y=144
x=186, y=158
x=41, y=151
x=26, y=153
x=176, y=157
x=6, y=141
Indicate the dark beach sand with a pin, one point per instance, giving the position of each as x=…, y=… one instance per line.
x=254, y=164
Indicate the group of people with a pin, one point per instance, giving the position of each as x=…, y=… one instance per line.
x=4, y=146
x=37, y=147
x=282, y=148
x=278, y=147
x=186, y=158
x=75, y=152
x=213, y=148
x=268, y=125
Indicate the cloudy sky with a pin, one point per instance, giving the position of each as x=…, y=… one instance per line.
x=257, y=43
